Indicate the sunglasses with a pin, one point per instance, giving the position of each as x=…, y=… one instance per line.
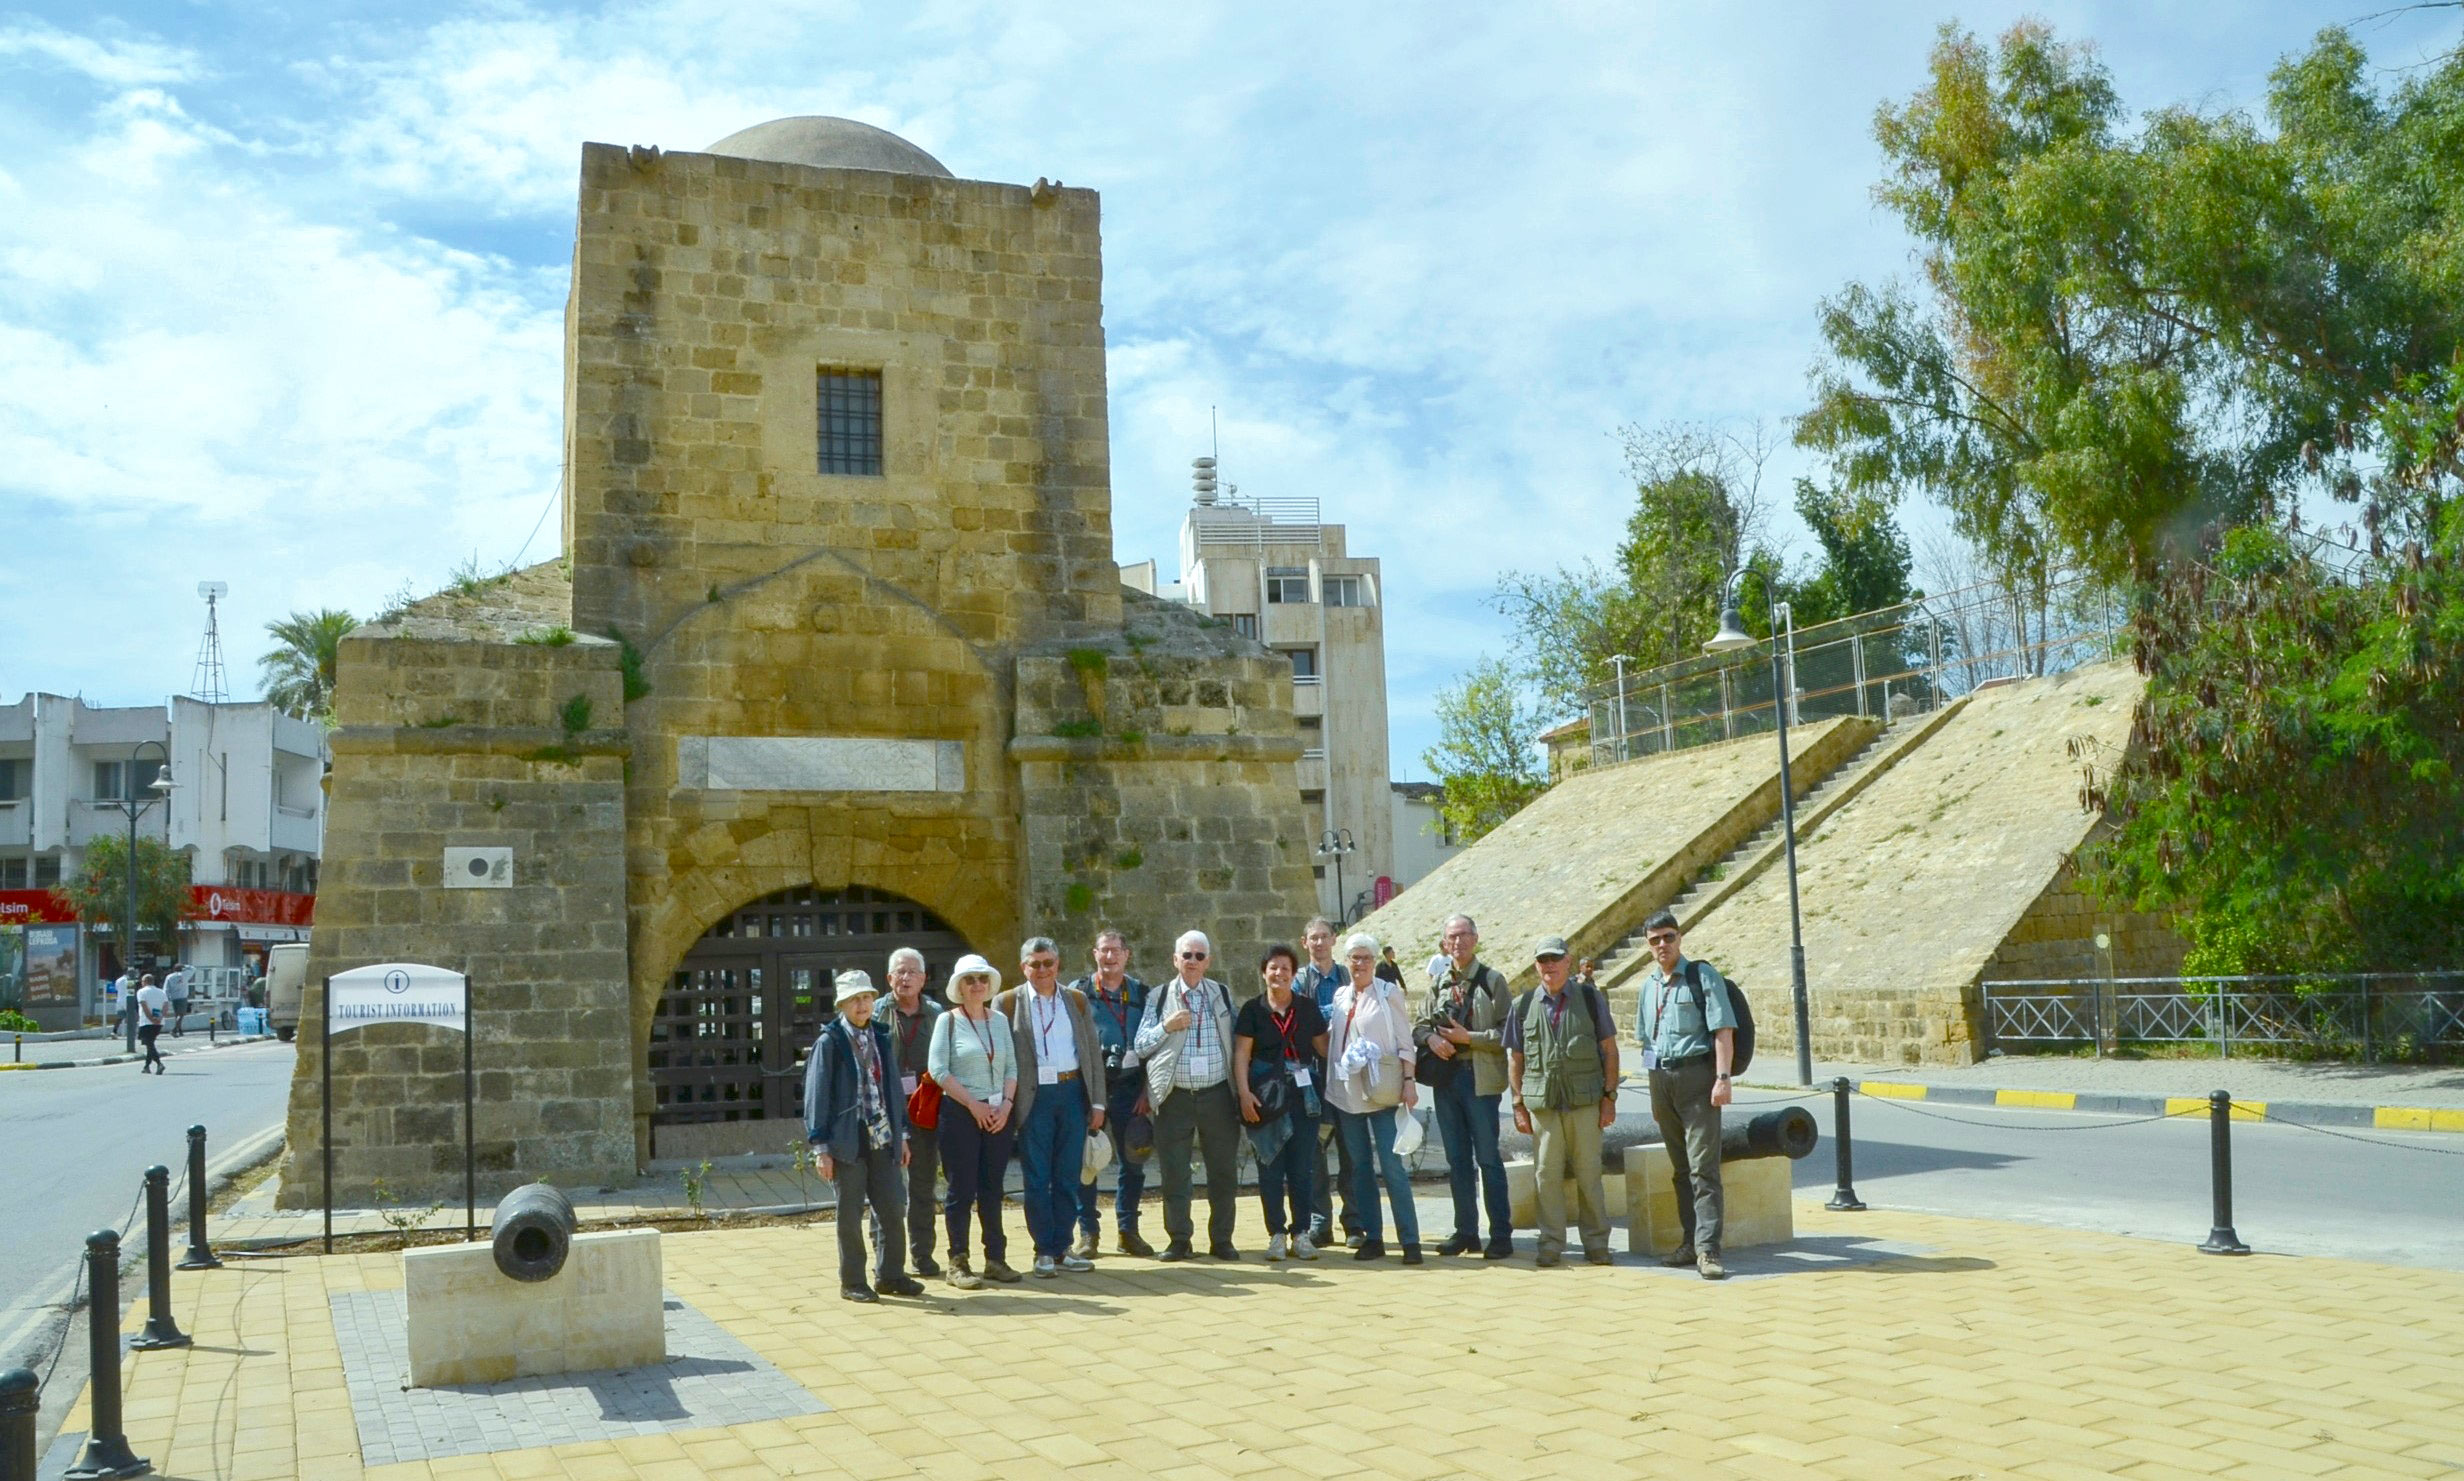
x=1662, y=939
x=1193, y=956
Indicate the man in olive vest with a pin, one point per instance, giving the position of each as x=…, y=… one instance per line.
x=1561, y=1068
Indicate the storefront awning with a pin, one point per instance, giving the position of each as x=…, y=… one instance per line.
x=250, y=932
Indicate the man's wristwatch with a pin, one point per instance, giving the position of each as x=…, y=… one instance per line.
x=1722, y=1077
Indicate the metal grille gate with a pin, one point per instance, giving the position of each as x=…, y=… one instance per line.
x=731, y=1031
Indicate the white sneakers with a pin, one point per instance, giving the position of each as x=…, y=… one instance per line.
x=1297, y=1247
x=1076, y=1263
x=1045, y=1269
x=1302, y=1249
x=1274, y=1249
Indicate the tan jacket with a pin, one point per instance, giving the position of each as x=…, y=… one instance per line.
x=1019, y=1005
x=1486, y=1004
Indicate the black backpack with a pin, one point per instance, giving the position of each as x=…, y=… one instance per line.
x=1742, y=1051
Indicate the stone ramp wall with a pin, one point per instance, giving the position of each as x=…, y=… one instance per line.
x=1605, y=847
x=1955, y=859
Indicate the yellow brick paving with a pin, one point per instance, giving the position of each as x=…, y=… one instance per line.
x=2007, y=1350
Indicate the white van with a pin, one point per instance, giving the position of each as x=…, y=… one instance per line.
x=286, y=983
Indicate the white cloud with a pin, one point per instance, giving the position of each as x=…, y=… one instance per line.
x=116, y=61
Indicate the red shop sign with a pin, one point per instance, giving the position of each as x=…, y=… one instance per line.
x=32, y=907
x=255, y=907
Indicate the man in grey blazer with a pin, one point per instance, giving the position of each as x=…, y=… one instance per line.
x=1060, y=1099
x=856, y=1122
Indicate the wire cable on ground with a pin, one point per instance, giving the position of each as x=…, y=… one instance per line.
x=2263, y=1114
x=1911, y=1108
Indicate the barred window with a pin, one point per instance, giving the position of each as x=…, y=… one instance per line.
x=849, y=404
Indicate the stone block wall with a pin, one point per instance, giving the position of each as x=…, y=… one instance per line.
x=1156, y=777
x=447, y=738
x=2056, y=939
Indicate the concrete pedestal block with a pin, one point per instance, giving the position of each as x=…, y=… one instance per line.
x=1754, y=1208
x=1523, y=1198
x=470, y=1324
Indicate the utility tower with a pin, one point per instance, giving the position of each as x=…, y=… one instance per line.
x=209, y=685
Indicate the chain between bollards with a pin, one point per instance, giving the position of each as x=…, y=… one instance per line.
x=2221, y=1240
x=106, y=1451
x=200, y=1252
x=1843, y=1198
x=160, y=1329
x=21, y=1398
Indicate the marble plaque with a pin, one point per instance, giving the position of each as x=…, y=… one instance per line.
x=819, y=763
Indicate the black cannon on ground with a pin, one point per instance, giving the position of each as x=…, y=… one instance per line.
x=533, y=1231
x=1790, y=1132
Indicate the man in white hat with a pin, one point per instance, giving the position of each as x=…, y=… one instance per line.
x=856, y=1121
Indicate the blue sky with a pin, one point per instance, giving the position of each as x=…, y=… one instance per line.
x=281, y=285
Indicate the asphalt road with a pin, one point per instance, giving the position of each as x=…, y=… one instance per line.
x=78, y=1143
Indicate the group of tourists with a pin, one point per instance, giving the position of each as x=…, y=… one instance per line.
x=1322, y=1070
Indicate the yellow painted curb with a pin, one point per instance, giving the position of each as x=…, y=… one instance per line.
x=1887, y=1090
x=2417, y=1118
x=2196, y=1105
x=2043, y=1100
x=15, y=1066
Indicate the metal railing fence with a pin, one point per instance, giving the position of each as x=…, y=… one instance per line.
x=2371, y=1015
x=1897, y=661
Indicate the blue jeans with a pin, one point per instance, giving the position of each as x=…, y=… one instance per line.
x=1132, y=1175
x=1052, y=1146
x=1372, y=1140
x=1467, y=1128
x=1285, y=1182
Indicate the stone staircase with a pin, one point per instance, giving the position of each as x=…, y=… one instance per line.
x=1620, y=972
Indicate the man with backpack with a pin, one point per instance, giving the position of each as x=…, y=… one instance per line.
x=1561, y=1069
x=1688, y=1023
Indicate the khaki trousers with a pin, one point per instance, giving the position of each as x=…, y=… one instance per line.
x=1566, y=1144
x=1690, y=1127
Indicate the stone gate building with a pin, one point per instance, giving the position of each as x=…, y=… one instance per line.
x=836, y=659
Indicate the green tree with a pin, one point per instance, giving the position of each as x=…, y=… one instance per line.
x=2131, y=342
x=1484, y=756
x=298, y=672
x=98, y=892
x=1865, y=556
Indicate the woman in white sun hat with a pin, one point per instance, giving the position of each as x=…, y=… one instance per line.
x=977, y=1068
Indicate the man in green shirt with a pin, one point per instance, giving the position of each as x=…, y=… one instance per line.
x=1689, y=1034
x=1561, y=1069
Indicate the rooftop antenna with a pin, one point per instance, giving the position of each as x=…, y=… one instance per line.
x=209, y=684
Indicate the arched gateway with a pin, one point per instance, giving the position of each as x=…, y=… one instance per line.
x=728, y=1040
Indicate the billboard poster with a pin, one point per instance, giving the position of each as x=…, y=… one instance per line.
x=12, y=963
x=51, y=965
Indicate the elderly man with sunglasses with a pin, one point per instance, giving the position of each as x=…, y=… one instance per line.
x=1185, y=1045
x=1689, y=1035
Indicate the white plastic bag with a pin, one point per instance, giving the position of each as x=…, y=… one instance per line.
x=1409, y=1131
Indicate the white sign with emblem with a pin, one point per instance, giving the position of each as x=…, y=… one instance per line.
x=479, y=868
x=397, y=992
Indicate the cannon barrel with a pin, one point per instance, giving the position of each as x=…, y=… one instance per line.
x=532, y=1232
x=1789, y=1133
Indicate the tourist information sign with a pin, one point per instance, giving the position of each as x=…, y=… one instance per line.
x=399, y=992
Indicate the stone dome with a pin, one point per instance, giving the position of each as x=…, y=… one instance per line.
x=829, y=144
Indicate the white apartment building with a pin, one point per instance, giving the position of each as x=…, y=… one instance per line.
x=245, y=803
x=1279, y=575
x=1423, y=838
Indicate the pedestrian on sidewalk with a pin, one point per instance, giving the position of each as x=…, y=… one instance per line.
x=1119, y=1002
x=1561, y=1062
x=1278, y=1046
x=976, y=1062
x=909, y=1016
x=857, y=1124
x=1463, y=1062
x=1369, y=1056
x=1185, y=1045
x=150, y=1004
x=1320, y=978
x=177, y=986
x=1688, y=1029
x=1060, y=1099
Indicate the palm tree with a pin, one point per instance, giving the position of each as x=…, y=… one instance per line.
x=299, y=673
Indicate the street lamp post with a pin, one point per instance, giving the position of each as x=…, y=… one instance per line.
x=1732, y=636
x=128, y=802
x=1619, y=659
x=1337, y=843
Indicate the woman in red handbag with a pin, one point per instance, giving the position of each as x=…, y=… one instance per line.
x=976, y=1066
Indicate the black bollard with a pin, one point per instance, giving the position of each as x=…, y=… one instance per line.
x=1844, y=1198
x=106, y=1451
x=21, y=1398
x=200, y=1253
x=2221, y=1240
x=160, y=1329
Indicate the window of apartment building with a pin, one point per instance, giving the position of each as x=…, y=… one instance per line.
x=13, y=778
x=46, y=871
x=1304, y=664
x=112, y=779
x=12, y=874
x=1246, y=624
x=1344, y=591
x=849, y=403
x=1287, y=583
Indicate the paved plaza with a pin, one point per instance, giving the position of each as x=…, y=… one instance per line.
x=1881, y=1344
